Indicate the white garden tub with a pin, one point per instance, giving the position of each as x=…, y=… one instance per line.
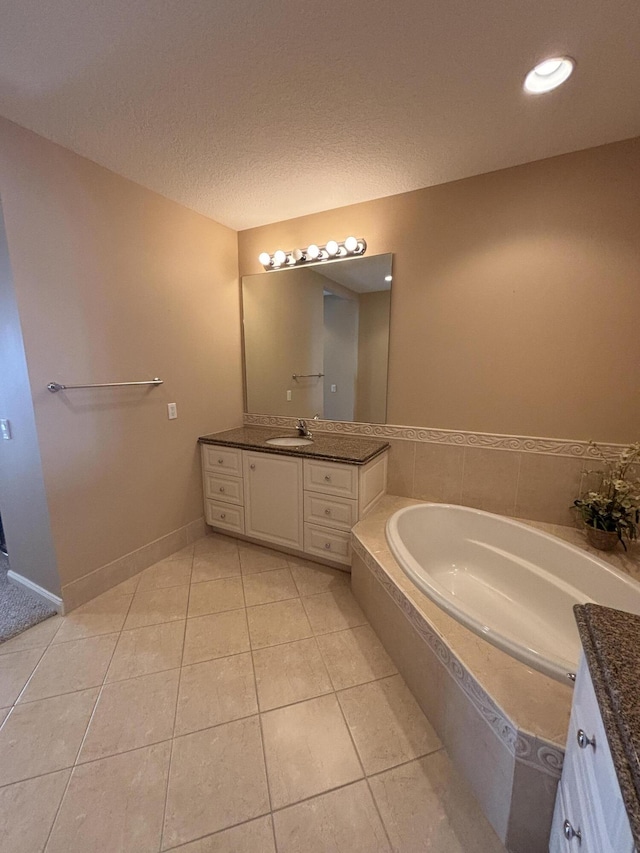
x=510, y=583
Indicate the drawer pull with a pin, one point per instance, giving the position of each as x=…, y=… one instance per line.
x=327, y=477
x=253, y=467
x=327, y=546
x=327, y=511
x=570, y=833
x=222, y=488
x=223, y=515
x=584, y=740
x=220, y=461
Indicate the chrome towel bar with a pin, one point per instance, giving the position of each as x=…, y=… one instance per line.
x=57, y=386
x=297, y=376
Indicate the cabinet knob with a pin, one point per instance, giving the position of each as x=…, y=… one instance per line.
x=327, y=511
x=223, y=515
x=570, y=833
x=253, y=467
x=220, y=461
x=327, y=477
x=584, y=740
x=222, y=488
x=327, y=545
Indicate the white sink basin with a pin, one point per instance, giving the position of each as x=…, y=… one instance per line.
x=290, y=441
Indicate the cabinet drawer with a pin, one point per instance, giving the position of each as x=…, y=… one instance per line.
x=331, y=478
x=331, y=544
x=225, y=515
x=220, y=488
x=330, y=511
x=572, y=806
x=226, y=459
x=557, y=841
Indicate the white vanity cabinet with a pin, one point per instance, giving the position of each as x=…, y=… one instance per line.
x=590, y=815
x=299, y=504
x=273, y=498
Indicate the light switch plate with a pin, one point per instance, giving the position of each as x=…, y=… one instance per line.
x=172, y=411
x=5, y=429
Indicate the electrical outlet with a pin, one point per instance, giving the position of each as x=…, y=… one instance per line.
x=288, y=396
x=334, y=388
x=172, y=411
x=5, y=429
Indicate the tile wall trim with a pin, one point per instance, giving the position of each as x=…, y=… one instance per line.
x=526, y=748
x=101, y=580
x=493, y=441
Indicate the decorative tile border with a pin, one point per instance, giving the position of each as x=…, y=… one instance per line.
x=518, y=443
x=536, y=752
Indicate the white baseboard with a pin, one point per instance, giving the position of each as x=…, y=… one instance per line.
x=42, y=593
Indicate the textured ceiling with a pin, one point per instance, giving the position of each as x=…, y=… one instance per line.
x=253, y=112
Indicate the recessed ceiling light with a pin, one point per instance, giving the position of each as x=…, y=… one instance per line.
x=549, y=74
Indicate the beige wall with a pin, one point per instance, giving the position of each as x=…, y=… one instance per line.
x=114, y=282
x=373, y=357
x=516, y=295
x=283, y=335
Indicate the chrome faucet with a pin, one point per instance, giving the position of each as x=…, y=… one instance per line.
x=301, y=426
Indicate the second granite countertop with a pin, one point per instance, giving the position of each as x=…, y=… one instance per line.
x=332, y=448
x=611, y=643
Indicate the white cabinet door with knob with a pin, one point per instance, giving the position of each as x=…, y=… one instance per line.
x=273, y=498
x=589, y=815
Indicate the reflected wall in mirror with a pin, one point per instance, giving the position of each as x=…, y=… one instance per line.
x=329, y=325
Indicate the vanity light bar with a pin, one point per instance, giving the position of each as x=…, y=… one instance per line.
x=314, y=254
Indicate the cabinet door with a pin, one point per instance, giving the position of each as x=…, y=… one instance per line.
x=273, y=498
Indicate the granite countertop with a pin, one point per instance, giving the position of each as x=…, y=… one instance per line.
x=611, y=642
x=331, y=448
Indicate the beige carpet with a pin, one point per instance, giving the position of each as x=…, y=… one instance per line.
x=19, y=608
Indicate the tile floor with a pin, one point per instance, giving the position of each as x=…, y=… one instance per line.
x=229, y=699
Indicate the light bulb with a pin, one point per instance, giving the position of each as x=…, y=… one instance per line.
x=549, y=74
x=351, y=244
x=265, y=259
x=388, y=278
x=279, y=257
x=313, y=251
x=332, y=248
x=298, y=254
x=291, y=261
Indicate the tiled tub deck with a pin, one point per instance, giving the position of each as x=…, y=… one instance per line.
x=503, y=725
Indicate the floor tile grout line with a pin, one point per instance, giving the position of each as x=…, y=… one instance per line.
x=364, y=772
x=218, y=832
x=36, y=645
x=175, y=713
x=37, y=776
x=333, y=689
x=84, y=737
x=264, y=751
x=205, y=660
x=101, y=688
x=421, y=757
x=16, y=701
x=319, y=794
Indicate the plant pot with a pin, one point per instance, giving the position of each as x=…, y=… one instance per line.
x=603, y=540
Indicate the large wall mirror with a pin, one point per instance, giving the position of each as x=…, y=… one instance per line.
x=316, y=340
